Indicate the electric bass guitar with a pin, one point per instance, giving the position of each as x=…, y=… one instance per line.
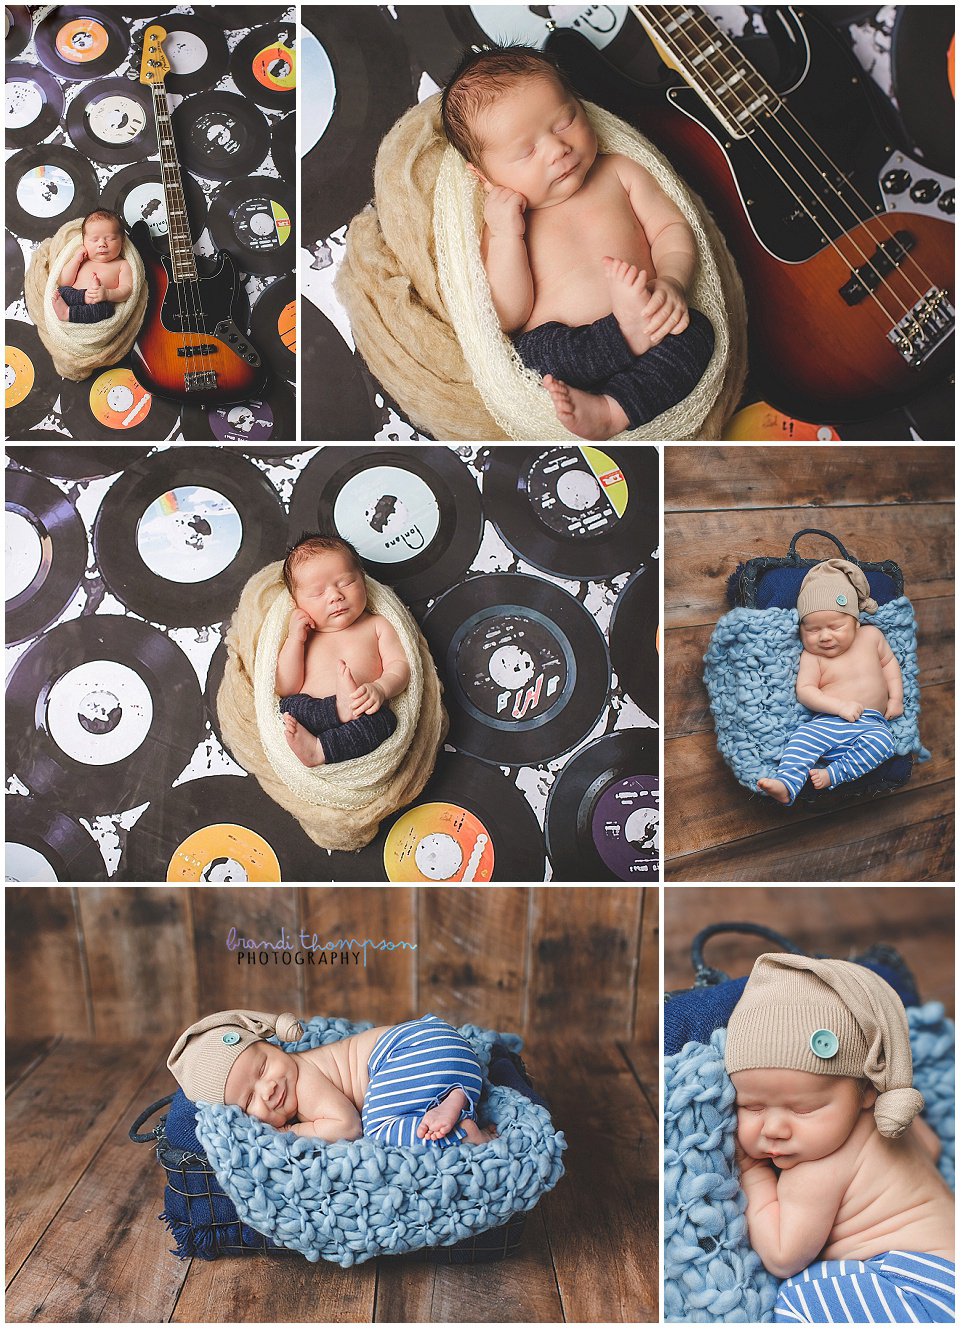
x=844, y=244
x=191, y=346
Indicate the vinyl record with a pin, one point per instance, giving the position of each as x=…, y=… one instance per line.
x=42, y=844
x=470, y=825
x=524, y=667
x=12, y=266
x=264, y=66
x=180, y=533
x=921, y=59
x=196, y=51
x=215, y=671
x=217, y=829
x=274, y=416
x=46, y=554
x=73, y=462
x=46, y=186
x=136, y=193
x=283, y=147
x=579, y=512
x=112, y=401
x=255, y=219
x=102, y=713
x=80, y=42
x=112, y=121
x=635, y=639
x=603, y=812
x=34, y=105
x=30, y=384
x=219, y=135
x=337, y=405
x=413, y=516
x=18, y=30
x=273, y=326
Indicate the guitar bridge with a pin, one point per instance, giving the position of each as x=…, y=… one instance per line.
x=204, y=380
x=924, y=328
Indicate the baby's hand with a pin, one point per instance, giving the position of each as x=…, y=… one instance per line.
x=367, y=699
x=850, y=711
x=743, y=1160
x=503, y=210
x=300, y=624
x=94, y=292
x=666, y=310
x=893, y=709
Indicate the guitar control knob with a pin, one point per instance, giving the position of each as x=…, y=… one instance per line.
x=924, y=191
x=946, y=202
x=232, y=336
x=894, y=182
x=242, y=347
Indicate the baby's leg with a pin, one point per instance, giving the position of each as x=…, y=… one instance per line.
x=306, y=747
x=665, y=375
x=60, y=306
x=859, y=748
x=584, y=413
x=629, y=296
x=360, y=736
x=91, y=313
x=804, y=749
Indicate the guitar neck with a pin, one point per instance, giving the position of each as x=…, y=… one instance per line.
x=690, y=42
x=178, y=227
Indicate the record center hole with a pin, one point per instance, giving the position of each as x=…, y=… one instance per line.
x=578, y=490
x=511, y=667
x=223, y=869
x=642, y=829
x=100, y=712
x=438, y=857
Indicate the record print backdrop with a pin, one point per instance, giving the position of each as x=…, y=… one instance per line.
x=80, y=133
x=365, y=65
x=533, y=573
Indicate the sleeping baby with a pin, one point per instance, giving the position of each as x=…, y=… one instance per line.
x=340, y=663
x=96, y=277
x=589, y=263
x=844, y=1200
x=405, y=1084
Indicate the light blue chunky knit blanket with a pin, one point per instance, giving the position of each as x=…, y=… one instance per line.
x=711, y=1275
x=751, y=673
x=348, y=1202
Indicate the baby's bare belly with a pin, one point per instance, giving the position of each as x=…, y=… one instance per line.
x=324, y=652
x=870, y=692
x=108, y=274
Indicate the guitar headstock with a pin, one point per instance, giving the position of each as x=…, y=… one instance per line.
x=154, y=65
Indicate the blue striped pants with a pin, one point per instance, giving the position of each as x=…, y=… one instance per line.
x=850, y=750
x=889, y=1288
x=412, y=1068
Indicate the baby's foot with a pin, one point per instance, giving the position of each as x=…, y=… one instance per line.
x=588, y=416
x=304, y=745
x=776, y=789
x=628, y=300
x=441, y=1119
x=820, y=779
x=60, y=307
x=477, y=1134
x=346, y=686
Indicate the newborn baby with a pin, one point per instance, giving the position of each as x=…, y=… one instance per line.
x=411, y=1083
x=837, y=1169
x=589, y=262
x=96, y=277
x=340, y=663
x=848, y=674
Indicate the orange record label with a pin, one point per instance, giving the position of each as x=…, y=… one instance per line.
x=275, y=67
x=224, y=853
x=761, y=422
x=18, y=376
x=81, y=40
x=287, y=326
x=118, y=401
x=438, y=842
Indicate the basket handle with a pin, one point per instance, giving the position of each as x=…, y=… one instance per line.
x=704, y=975
x=148, y=1138
x=826, y=535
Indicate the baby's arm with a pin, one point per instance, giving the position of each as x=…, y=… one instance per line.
x=71, y=269
x=893, y=678
x=672, y=247
x=335, y=1115
x=370, y=696
x=790, y=1215
x=291, y=665
x=124, y=286
x=504, y=253
x=810, y=695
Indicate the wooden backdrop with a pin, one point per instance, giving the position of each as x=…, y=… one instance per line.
x=724, y=505
x=115, y=963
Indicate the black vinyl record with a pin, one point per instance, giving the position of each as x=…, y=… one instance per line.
x=603, y=812
x=255, y=219
x=73, y=462
x=470, y=825
x=180, y=533
x=414, y=517
x=111, y=401
x=34, y=102
x=580, y=512
x=80, y=42
x=13, y=269
x=18, y=30
x=112, y=121
x=46, y=186
x=220, y=135
x=283, y=147
x=42, y=844
x=635, y=637
x=215, y=671
x=333, y=381
x=216, y=829
x=102, y=712
x=196, y=51
x=524, y=667
x=136, y=193
x=264, y=66
x=273, y=326
x=46, y=554
x=920, y=57
x=30, y=386
x=273, y=416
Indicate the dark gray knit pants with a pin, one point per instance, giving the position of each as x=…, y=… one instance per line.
x=340, y=742
x=80, y=311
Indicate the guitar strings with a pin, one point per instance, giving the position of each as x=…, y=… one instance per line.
x=167, y=163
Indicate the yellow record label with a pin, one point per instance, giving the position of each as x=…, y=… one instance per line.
x=761, y=422
x=438, y=842
x=118, y=401
x=608, y=476
x=19, y=376
x=224, y=853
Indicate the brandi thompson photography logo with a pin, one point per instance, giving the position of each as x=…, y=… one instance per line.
x=308, y=949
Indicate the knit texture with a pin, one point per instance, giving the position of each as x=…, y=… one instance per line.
x=711, y=1275
x=751, y=674
x=348, y=1202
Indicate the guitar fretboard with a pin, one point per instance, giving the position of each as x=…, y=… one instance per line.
x=178, y=228
x=711, y=63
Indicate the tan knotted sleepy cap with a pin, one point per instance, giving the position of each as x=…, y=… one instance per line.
x=827, y=1016
x=204, y=1054
x=837, y=585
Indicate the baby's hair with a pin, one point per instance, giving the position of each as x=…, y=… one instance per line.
x=479, y=79
x=308, y=545
x=102, y=214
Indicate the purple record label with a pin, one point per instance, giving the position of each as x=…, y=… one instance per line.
x=626, y=827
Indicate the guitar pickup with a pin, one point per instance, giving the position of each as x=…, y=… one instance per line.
x=924, y=328
x=886, y=257
x=202, y=381
x=189, y=351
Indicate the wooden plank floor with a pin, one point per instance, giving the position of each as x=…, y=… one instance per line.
x=724, y=505
x=83, y=1242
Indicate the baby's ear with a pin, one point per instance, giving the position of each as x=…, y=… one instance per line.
x=478, y=175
